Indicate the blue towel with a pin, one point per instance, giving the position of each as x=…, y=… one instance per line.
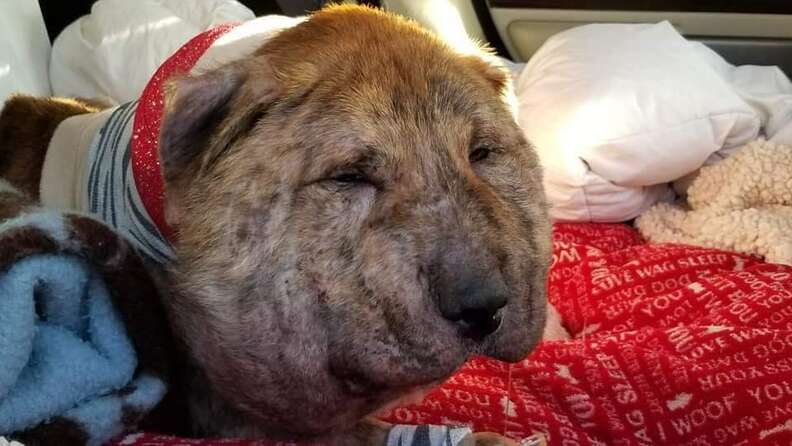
x=68, y=359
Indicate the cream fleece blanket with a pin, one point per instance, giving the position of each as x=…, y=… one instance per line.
x=743, y=204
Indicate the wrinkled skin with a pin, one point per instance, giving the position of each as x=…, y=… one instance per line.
x=325, y=192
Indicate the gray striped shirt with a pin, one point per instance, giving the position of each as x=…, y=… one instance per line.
x=110, y=189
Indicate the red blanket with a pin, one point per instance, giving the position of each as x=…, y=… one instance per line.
x=672, y=345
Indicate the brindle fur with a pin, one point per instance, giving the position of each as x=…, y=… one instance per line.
x=308, y=303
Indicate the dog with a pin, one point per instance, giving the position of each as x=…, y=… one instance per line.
x=352, y=213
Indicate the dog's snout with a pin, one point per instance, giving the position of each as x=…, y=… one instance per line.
x=469, y=293
x=473, y=306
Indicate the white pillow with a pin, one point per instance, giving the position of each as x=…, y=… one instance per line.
x=24, y=49
x=114, y=51
x=616, y=111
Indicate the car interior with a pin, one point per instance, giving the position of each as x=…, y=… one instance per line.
x=756, y=33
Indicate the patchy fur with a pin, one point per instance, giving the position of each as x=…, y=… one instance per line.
x=331, y=195
x=310, y=302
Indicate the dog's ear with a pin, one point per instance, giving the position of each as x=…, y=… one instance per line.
x=205, y=114
x=497, y=76
x=494, y=73
x=194, y=107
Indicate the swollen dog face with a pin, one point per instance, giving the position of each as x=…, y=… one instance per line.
x=357, y=214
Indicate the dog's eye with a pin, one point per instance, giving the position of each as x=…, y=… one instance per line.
x=350, y=178
x=480, y=154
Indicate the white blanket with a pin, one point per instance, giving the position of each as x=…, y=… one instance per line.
x=743, y=204
x=24, y=49
x=113, y=51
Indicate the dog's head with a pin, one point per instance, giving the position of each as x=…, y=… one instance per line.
x=357, y=214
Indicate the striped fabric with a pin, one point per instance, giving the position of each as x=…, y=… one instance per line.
x=426, y=435
x=110, y=187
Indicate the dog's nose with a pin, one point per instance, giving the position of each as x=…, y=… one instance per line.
x=469, y=286
x=473, y=305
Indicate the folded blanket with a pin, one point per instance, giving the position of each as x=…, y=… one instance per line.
x=82, y=334
x=743, y=204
